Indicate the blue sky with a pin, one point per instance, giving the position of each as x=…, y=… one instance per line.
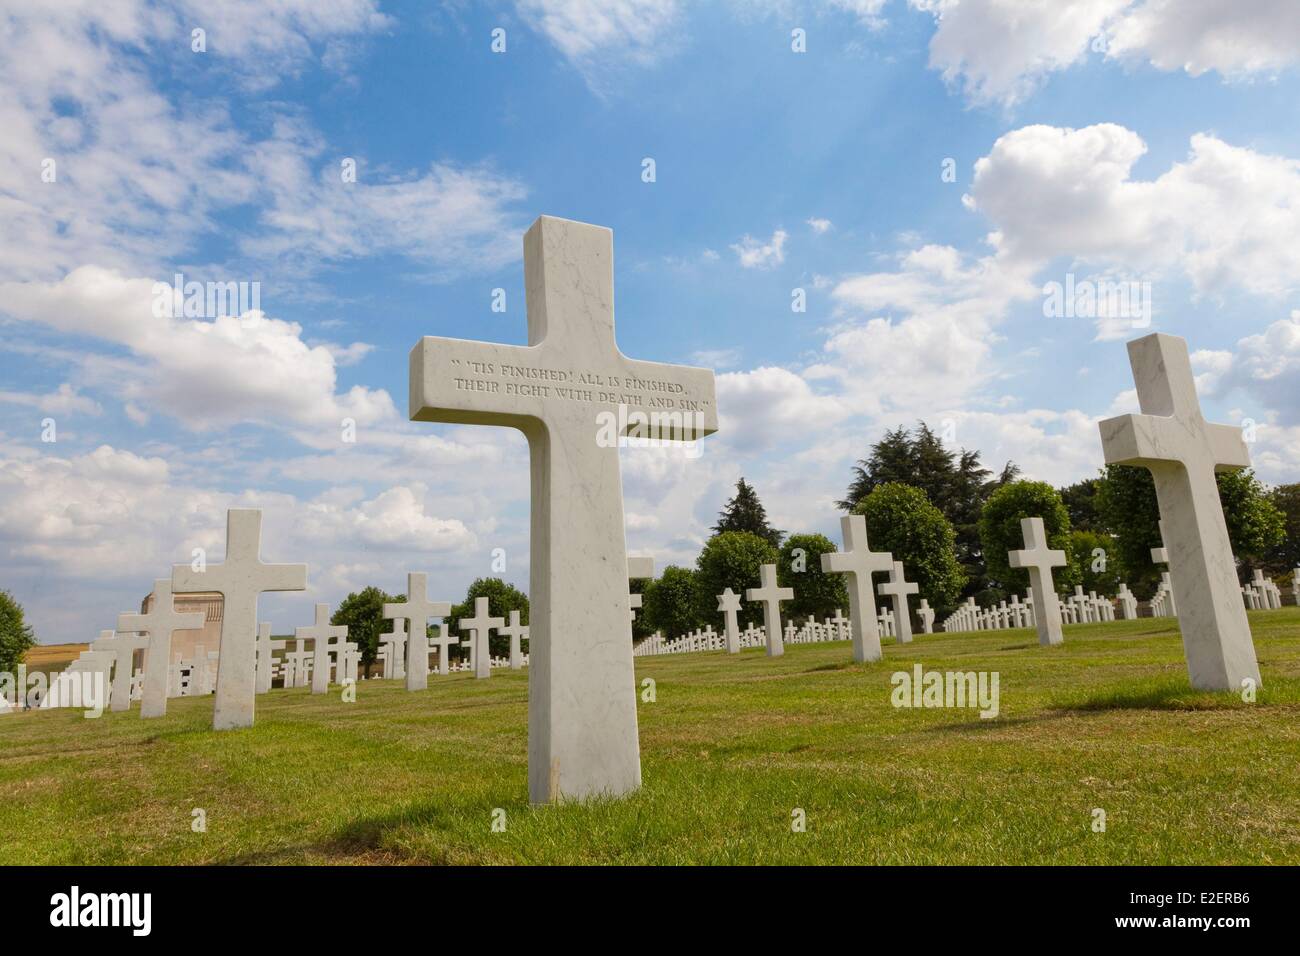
x=1129, y=140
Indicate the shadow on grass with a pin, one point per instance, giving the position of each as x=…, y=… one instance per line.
x=1174, y=696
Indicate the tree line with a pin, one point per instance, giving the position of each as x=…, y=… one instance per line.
x=951, y=521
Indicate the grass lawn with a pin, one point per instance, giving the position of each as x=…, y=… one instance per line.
x=730, y=747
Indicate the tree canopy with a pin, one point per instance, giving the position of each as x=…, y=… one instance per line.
x=799, y=566
x=16, y=636
x=901, y=520
x=732, y=559
x=744, y=512
x=955, y=482
x=362, y=612
x=1001, y=533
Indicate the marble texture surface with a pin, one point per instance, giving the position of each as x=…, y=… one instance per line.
x=1172, y=439
x=572, y=393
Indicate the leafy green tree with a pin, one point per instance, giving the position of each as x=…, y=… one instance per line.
x=956, y=483
x=1095, y=561
x=1080, y=501
x=362, y=612
x=799, y=566
x=1285, y=556
x=1126, y=499
x=16, y=636
x=1000, y=532
x=733, y=560
x=672, y=602
x=502, y=599
x=744, y=512
x=1256, y=526
x=901, y=520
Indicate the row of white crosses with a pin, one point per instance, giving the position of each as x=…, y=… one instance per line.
x=1261, y=594
x=858, y=562
x=734, y=640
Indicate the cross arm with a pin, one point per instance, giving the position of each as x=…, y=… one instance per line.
x=464, y=382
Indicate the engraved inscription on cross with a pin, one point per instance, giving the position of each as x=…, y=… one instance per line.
x=1172, y=439
x=562, y=390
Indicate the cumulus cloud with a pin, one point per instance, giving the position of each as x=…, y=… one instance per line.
x=1000, y=51
x=1227, y=215
x=207, y=374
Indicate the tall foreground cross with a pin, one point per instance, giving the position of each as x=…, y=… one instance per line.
x=162, y=620
x=1038, y=559
x=858, y=562
x=240, y=579
x=570, y=390
x=1172, y=439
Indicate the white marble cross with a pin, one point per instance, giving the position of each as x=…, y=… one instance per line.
x=1127, y=602
x=480, y=628
x=240, y=579
x=417, y=610
x=162, y=620
x=517, y=633
x=858, y=561
x=926, y=614
x=897, y=588
x=1172, y=439
x=1160, y=555
x=1038, y=558
x=395, y=642
x=121, y=647
x=573, y=394
x=266, y=649
x=771, y=595
x=729, y=605
x=321, y=633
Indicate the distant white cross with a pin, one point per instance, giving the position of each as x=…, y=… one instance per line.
x=573, y=394
x=240, y=579
x=1039, y=559
x=771, y=595
x=1172, y=439
x=160, y=623
x=321, y=633
x=266, y=649
x=395, y=641
x=729, y=605
x=480, y=628
x=897, y=588
x=517, y=633
x=858, y=562
x=122, y=646
x=417, y=610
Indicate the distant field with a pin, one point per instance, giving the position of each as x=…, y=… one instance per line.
x=730, y=748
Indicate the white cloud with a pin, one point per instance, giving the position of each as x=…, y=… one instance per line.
x=819, y=226
x=1235, y=39
x=207, y=374
x=63, y=401
x=756, y=254
x=598, y=36
x=1264, y=366
x=1002, y=50
x=1227, y=215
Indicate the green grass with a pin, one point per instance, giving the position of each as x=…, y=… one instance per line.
x=729, y=749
